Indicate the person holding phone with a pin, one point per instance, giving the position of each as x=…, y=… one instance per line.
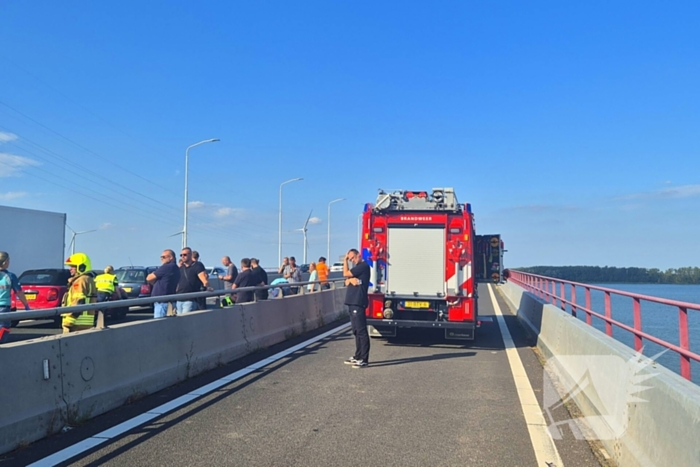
x=357, y=283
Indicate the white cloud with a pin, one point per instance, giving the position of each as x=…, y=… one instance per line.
x=227, y=212
x=682, y=191
x=7, y=137
x=12, y=195
x=106, y=225
x=196, y=204
x=11, y=165
x=315, y=220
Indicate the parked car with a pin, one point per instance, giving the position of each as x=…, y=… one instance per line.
x=336, y=267
x=304, y=268
x=43, y=288
x=215, y=277
x=132, y=280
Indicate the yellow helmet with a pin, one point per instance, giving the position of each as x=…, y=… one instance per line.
x=81, y=261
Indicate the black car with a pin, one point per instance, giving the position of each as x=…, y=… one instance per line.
x=132, y=280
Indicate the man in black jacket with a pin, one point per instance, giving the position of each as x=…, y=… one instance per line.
x=357, y=283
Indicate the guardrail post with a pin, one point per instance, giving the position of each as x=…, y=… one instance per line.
x=573, y=300
x=637, y=309
x=562, y=299
x=100, y=324
x=589, y=317
x=608, y=314
x=684, y=341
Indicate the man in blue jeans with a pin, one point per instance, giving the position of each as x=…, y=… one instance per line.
x=164, y=280
x=193, y=277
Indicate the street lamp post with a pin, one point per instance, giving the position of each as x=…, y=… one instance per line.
x=329, y=226
x=279, y=253
x=187, y=164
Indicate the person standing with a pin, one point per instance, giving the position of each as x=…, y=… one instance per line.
x=293, y=274
x=193, y=278
x=313, y=276
x=357, y=283
x=81, y=291
x=245, y=279
x=228, y=279
x=260, y=278
x=322, y=269
x=164, y=280
x=285, y=268
x=202, y=301
x=106, y=285
x=8, y=283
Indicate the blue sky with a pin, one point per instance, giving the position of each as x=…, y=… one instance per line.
x=571, y=128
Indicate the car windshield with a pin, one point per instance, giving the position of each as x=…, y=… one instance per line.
x=44, y=278
x=130, y=275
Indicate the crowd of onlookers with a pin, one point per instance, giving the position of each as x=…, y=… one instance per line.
x=182, y=275
x=187, y=275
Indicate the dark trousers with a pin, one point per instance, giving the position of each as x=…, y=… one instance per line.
x=358, y=320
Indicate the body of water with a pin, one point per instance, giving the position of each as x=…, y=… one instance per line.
x=661, y=321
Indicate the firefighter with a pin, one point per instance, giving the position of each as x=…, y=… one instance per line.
x=81, y=291
x=106, y=285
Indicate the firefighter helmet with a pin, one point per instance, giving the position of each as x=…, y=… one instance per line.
x=81, y=261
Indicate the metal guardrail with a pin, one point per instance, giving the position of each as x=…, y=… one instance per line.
x=545, y=288
x=99, y=307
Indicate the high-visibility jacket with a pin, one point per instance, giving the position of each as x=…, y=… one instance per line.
x=81, y=291
x=106, y=283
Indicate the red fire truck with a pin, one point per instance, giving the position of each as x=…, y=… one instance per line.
x=420, y=248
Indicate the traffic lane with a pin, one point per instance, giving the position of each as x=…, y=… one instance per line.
x=573, y=451
x=422, y=401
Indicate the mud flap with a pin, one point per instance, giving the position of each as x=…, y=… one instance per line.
x=381, y=331
x=459, y=334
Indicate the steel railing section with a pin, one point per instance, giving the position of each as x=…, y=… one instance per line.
x=545, y=288
x=99, y=307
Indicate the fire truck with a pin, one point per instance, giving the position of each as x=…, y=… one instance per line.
x=420, y=249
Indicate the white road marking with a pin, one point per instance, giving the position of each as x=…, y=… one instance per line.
x=542, y=442
x=118, y=430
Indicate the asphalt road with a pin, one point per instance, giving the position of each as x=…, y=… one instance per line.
x=422, y=401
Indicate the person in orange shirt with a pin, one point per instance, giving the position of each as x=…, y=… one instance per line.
x=322, y=269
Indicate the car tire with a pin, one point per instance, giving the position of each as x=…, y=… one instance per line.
x=14, y=324
x=58, y=321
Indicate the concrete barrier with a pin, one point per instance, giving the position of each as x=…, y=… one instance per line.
x=32, y=406
x=98, y=370
x=643, y=413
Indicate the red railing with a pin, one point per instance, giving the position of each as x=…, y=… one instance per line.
x=545, y=288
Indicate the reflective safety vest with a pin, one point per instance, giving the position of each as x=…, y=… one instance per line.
x=106, y=283
x=81, y=291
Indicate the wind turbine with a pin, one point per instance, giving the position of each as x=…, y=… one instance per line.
x=75, y=234
x=303, y=230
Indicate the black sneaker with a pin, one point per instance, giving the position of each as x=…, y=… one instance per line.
x=360, y=364
x=351, y=361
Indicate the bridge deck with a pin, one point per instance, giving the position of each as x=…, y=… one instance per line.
x=422, y=401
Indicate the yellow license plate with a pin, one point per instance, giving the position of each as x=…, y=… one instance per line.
x=127, y=289
x=417, y=305
x=30, y=296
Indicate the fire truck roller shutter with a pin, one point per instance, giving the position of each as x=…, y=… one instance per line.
x=416, y=260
